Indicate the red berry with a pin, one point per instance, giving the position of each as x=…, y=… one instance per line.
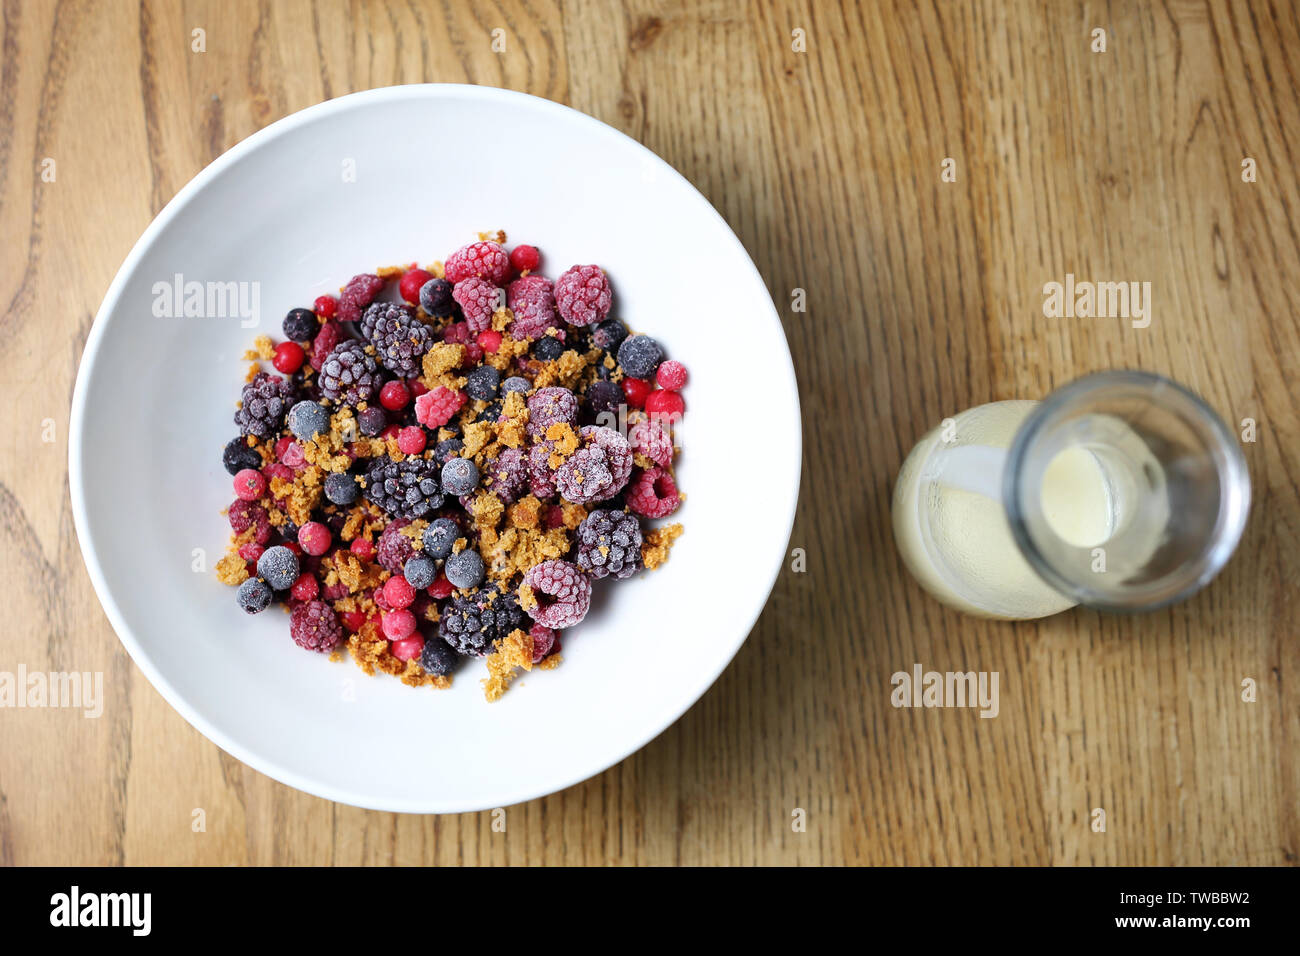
x=249, y=485
x=398, y=591
x=489, y=340
x=353, y=620
x=436, y=408
x=324, y=343
x=305, y=588
x=251, y=551
x=390, y=432
x=543, y=640
x=281, y=445
x=277, y=470
x=398, y=624
x=554, y=517
x=409, y=287
x=483, y=259
x=381, y=602
x=665, y=404
x=363, y=548
x=289, y=357
x=441, y=587
x=408, y=648
x=671, y=375
x=293, y=456
x=636, y=390
x=411, y=440
x=294, y=547
x=417, y=388
x=325, y=306
x=314, y=537
x=394, y=396
x=525, y=257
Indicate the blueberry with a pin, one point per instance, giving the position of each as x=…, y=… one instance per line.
x=604, y=397
x=490, y=414
x=435, y=297
x=640, y=355
x=548, y=349
x=516, y=384
x=447, y=449
x=459, y=476
x=342, y=488
x=308, y=419
x=483, y=383
x=419, y=571
x=438, y=657
x=278, y=567
x=464, y=569
x=609, y=335
x=254, y=596
x=237, y=456
x=440, y=536
x=300, y=325
x=372, y=421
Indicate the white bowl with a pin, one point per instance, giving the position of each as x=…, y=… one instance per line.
x=431, y=165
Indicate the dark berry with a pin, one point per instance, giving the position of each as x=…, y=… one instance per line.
x=609, y=335
x=394, y=548
x=399, y=338
x=349, y=374
x=640, y=355
x=459, y=476
x=254, y=596
x=263, y=404
x=471, y=622
x=490, y=414
x=483, y=383
x=548, y=348
x=440, y=536
x=372, y=421
x=604, y=397
x=609, y=543
x=342, y=488
x=438, y=658
x=411, y=283
x=447, y=449
x=237, y=456
x=435, y=298
x=300, y=325
x=278, y=567
x=516, y=384
x=419, y=571
x=465, y=569
x=405, y=489
x=307, y=419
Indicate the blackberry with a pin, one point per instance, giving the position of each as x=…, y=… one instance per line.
x=237, y=456
x=609, y=335
x=609, y=543
x=399, y=338
x=447, y=449
x=640, y=355
x=548, y=349
x=264, y=403
x=419, y=571
x=341, y=488
x=464, y=569
x=308, y=419
x=438, y=657
x=603, y=397
x=405, y=489
x=372, y=421
x=440, y=536
x=254, y=596
x=459, y=476
x=471, y=622
x=300, y=325
x=349, y=374
x=435, y=298
x=483, y=383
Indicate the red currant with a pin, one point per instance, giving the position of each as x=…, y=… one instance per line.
x=249, y=485
x=410, y=285
x=489, y=340
x=411, y=440
x=398, y=592
x=665, y=403
x=525, y=257
x=353, y=620
x=441, y=587
x=390, y=432
x=408, y=648
x=363, y=548
x=314, y=538
x=305, y=588
x=326, y=306
x=398, y=624
x=636, y=390
x=671, y=375
x=417, y=387
x=394, y=395
x=289, y=357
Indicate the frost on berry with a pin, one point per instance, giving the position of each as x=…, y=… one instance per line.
x=563, y=593
x=435, y=408
x=653, y=494
x=507, y=475
x=532, y=300
x=315, y=627
x=650, y=439
x=478, y=299
x=541, y=476
x=357, y=294
x=609, y=543
x=598, y=470
x=482, y=260
x=583, y=295
x=550, y=405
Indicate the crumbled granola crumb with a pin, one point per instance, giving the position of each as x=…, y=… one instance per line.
x=657, y=542
x=509, y=653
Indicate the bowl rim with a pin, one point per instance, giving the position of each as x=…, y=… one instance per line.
x=109, y=305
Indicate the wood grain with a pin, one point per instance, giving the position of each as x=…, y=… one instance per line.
x=924, y=298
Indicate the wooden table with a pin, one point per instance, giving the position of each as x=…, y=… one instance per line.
x=924, y=297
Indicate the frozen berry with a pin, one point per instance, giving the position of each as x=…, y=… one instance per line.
x=489, y=340
x=411, y=440
x=254, y=596
x=532, y=300
x=671, y=375
x=363, y=548
x=562, y=592
x=278, y=469
x=662, y=403
x=237, y=456
x=314, y=626
x=306, y=588
x=635, y=391
x=357, y=294
x=293, y=456
x=548, y=349
x=653, y=493
x=407, y=648
x=609, y=335
x=399, y=592
x=372, y=421
x=439, y=537
x=307, y=419
x=483, y=383
x=478, y=300
x=437, y=657
x=411, y=283
x=471, y=622
x=435, y=298
x=516, y=384
x=541, y=476
x=583, y=295
x=550, y=405
x=353, y=620
x=394, y=396
x=251, y=551
x=394, y=547
x=341, y=488
x=459, y=476
x=464, y=569
x=350, y=374
x=436, y=408
x=405, y=489
x=609, y=543
x=640, y=355
x=651, y=440
x=314, y=538
x=249, y=484
x=263, y=404
x=525, y=258
x=278, y=567
x=244, y=515
x=543, y=641
x=300, y=325
x=483, y=260
x=507, y=475
x=400, y=339
x=419, y=570
x=327, y=338
x=288, y=357
x=398, y=624
x=447, y=449
x=326, y=306
x=603, y=397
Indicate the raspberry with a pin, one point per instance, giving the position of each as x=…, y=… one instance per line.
x=635, y=391
x=458, y=333
x=315, y=627
x=251, y=551
x=435, y=298
x=477, y=299
x=398, y=624
x=532, y=300
x=482, y=260
x=263, y=404
x=671, y=375
x=664, y=404
x=411, y=283
x=543, y=641
x=306, y=588
x=489, y=340
x=550, y=405
x=394, y=547
x=325, y=306
x=436, y=408
x=399, y=338
x=650, y=439
x=653, y=494
x=288, y=358
x=249, y=485
x=618, y=454
x=583, y=295
x=244, y=515
x=507, y=475
x=525, y=258
x=471, y=622
x=349, y=374
x=314, y=538
x=437, y=657
x=609, y=543
x=328, y=337
x=357, y=294
x=405, y=489
x=597, y=471
x=293, y=456
x=408, y=648
x=563, y=593
x=394, y=396
x=541, y=476
x=640, y=355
